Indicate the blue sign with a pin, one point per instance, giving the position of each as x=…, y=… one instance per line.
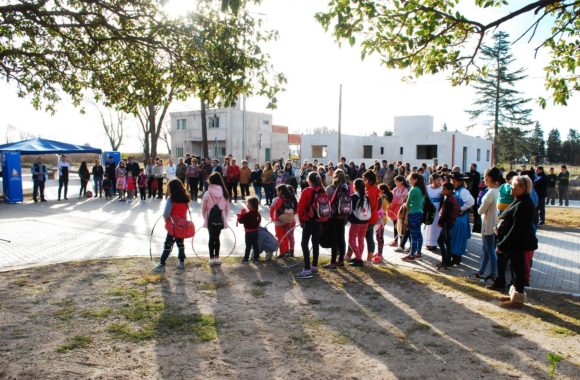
x=12, y=177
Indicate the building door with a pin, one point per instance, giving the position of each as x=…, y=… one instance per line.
x=267, y=154
x=464, y=169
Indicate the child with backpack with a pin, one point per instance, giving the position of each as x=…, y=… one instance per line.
x=415, y=204
x=385, y=200
x=341, y=207
x=176, y=208
x=313, y=208
x=251, y=220
x=214, y=209
x=142, y=182
x=359, y=218
x=282, y=214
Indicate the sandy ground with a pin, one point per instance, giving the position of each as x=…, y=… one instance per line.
x=113, y=319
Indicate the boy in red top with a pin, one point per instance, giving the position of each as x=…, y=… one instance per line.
x=373, y=192
x=251, y=221
x=310, y=227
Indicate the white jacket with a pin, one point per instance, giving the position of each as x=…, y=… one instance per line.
x=488, y=211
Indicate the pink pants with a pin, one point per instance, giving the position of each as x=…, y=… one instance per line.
x=356, y=239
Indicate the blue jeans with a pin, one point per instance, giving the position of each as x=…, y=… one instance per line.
x=488, y=255
x=98, y=185
x=415, y=221
x=258, y=191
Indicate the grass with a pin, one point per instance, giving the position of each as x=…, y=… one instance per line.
x=67, y=310
x=258, y=293
x=212, y=285
x=418, y=326
x=102, y=312
x=203, y=327
x=562, y=331
x=74, y=342
x=262, y=283
x=124, y=331
x=563, y=217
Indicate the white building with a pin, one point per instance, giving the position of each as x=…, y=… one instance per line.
x=413, y=141
x=244, y=134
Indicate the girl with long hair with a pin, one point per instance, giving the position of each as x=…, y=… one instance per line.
x=336, y=224
x=284, y=207
x=415, y=204
x=373, y=192
x=176, y=207
x=216, y=195
x=310, y=226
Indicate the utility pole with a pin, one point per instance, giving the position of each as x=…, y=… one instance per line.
x=244, y=129
x=339, y=123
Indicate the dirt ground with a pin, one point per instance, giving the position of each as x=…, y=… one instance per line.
x=113, y=319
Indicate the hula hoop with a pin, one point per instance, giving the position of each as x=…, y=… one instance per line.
x=284, y=262
x=228, y=255
x=153, y=230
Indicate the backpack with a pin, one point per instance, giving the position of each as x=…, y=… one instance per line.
x=383, y=212
x=363, y=210
x=320, y=206
x=428, y=212
x=214, y=219
x=342, y=204
x=286, y=212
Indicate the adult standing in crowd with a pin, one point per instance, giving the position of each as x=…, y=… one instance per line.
x=552, y=194
x=149, y=168
x=98, y=173
x=205, y=171
x=474, y=181
x=245, y=176
x=85, y=177
x=488, y=212
x=64, y=168
x=110, y=169
x=390, y=177
x=158, y=175
x=541, y=188
x=216, y=168
x=289, y=177
x=39, y=175
x=461, y=231
x=256, y=178
x=268, y=181
x=232, y=179
x=192, y=174
x=516, y=235
x=170, y=173
x=434, y=193
x=563, y=182
x=180, y=171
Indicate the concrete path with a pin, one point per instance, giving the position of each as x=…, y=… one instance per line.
x=80, y=229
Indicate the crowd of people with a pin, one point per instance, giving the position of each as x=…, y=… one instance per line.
x=428, y=206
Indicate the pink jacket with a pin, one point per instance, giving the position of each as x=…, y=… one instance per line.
x=215, y=192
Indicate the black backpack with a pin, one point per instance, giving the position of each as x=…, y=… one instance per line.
x=214, y=219
x=428, y=212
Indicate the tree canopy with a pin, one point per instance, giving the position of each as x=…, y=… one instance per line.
x=429, y=37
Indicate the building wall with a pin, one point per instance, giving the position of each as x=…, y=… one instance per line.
x=409, y=133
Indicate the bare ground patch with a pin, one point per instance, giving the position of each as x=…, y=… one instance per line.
x=114, y=319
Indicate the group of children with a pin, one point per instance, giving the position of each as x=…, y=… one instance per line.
x=126, y=186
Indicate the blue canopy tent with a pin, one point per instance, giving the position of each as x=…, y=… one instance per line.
x=42, y=146
x=12, y=169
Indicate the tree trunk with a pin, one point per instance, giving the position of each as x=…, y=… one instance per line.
x=204, y=131
x=496, y=121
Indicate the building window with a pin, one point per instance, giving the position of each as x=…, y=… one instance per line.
x=479, y=155
x=265, y=122
x=213, y=122
x=367, y=151
x=401, y=151
x=222, y=151
x=179, y=152
x=487, y=155
x=426, y=152
x=319, y=151
x=181, y=123
x=382, y=150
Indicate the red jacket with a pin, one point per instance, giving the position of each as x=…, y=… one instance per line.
x=251, y=220
x=233, y=171
x=306, y=199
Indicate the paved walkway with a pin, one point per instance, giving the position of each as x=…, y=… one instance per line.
x=95, y=228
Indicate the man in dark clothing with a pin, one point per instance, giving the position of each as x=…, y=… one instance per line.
x=552, y=178
x=39, y=177
x=563, y=181
x=474, y=180
x=110, y=170
x=447, y=215
x=541, y=187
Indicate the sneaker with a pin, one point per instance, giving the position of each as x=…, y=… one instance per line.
x=357, y=263
x=181, y=265
x=159, y=269
x=476, y=276
x=408, y=258
x=417, y=255
x=217, y=261
x=245, y=261
x=394, y=243
x=211, y=262
x=399, y=249
x=340, y=263
x=314, y=269
x=256, y=262
x=306, y=273
x=331, y=266
x=377, y=259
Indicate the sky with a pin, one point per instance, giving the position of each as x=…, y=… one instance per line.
x=315, y=66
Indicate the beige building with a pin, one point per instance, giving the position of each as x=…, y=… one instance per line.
x=244, y=134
